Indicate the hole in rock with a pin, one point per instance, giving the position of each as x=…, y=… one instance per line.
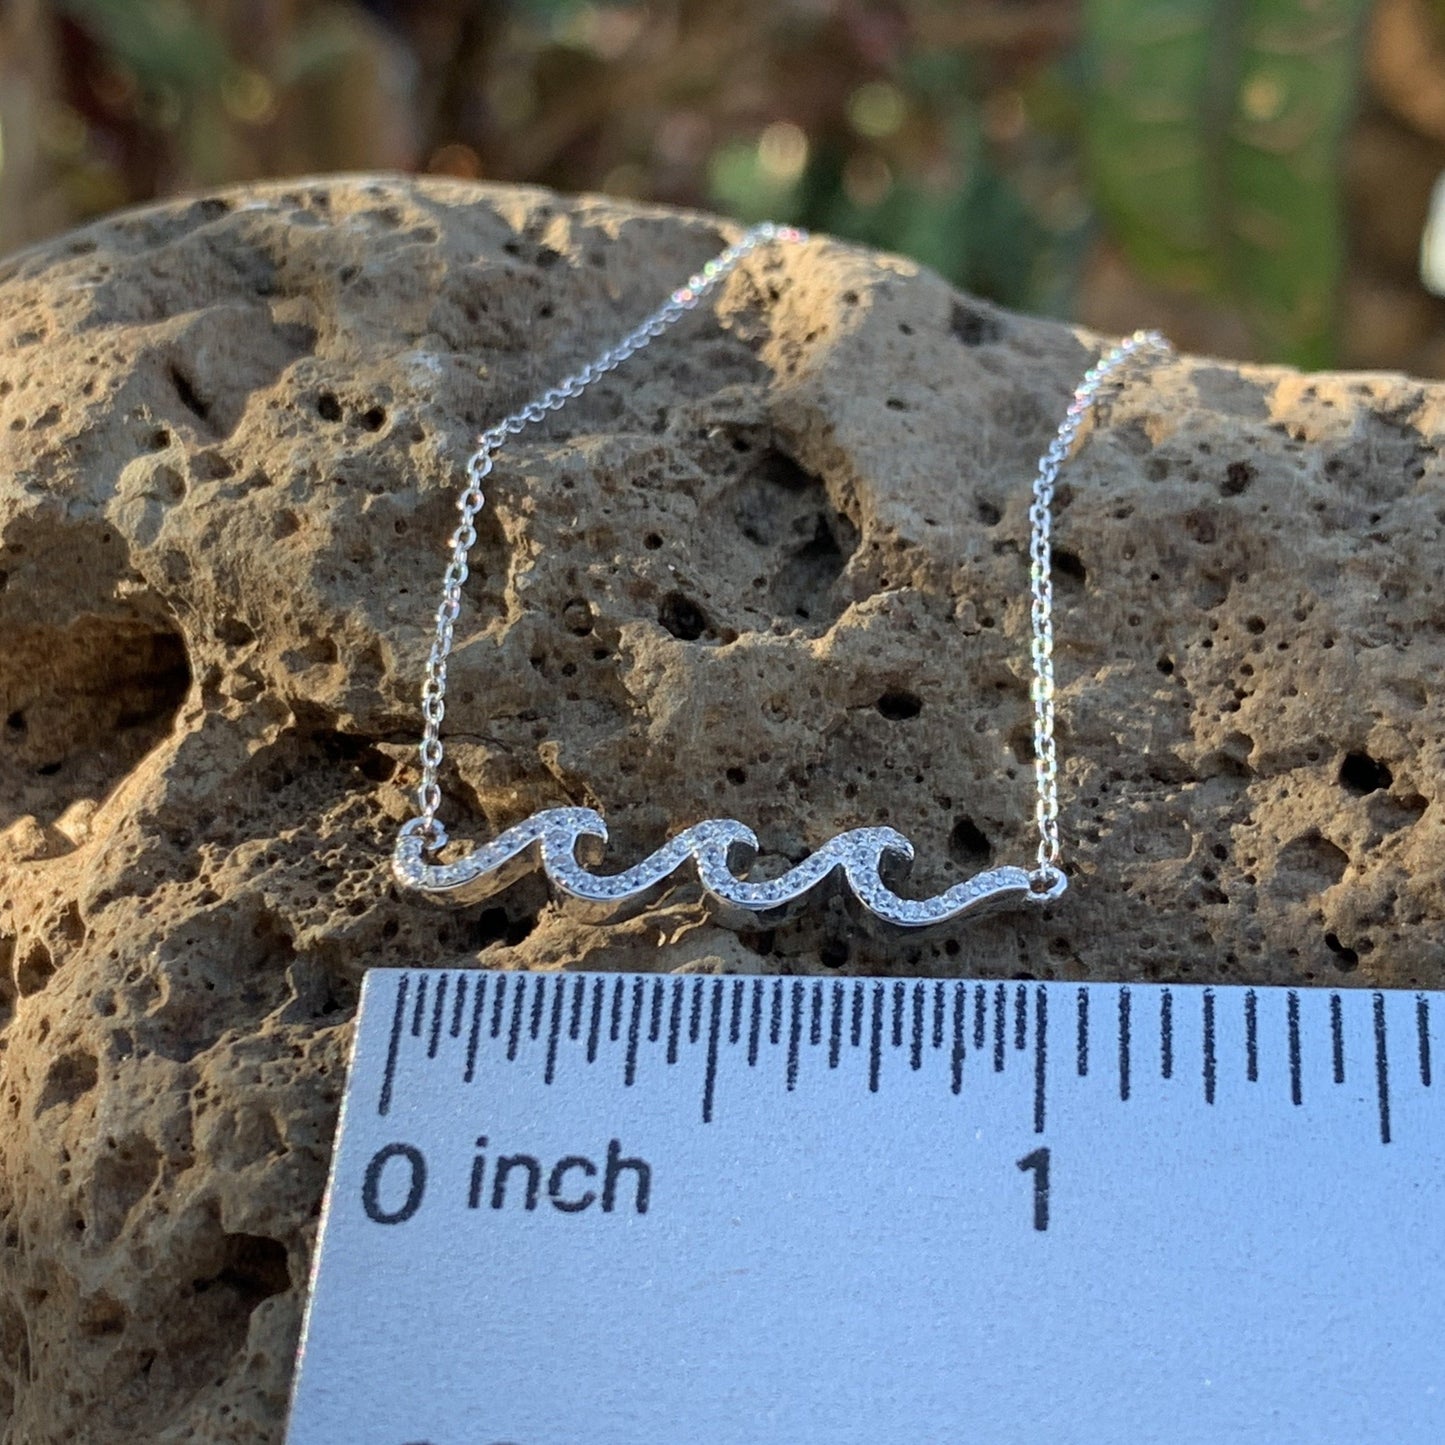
x=682, y=617
x=967, y=843
x=1345, y=958
x=1237, y=477
x=1308, y=865
x=34, y=970
x=898, y=705
x=972, y=326
x=83, y=704
x=358, y=752
x=496, y=925
x=253, y=1266
x=1361, y=774
x=785, y=509
x=1070, y=566
x=234, y=633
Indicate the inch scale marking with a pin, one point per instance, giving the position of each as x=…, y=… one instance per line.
x=646, y=1208
x=519, y=1004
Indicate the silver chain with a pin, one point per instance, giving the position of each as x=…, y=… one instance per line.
x=1049, y=877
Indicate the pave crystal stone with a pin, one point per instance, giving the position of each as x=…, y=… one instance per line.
x=859, y=852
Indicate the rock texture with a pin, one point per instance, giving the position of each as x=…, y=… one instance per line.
x=776, y=568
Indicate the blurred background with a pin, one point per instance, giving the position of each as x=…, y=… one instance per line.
x=1253, y=175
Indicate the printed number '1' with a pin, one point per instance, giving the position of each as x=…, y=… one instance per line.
x=1038, y=1162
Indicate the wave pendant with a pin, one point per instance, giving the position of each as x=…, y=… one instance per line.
x=861, y=855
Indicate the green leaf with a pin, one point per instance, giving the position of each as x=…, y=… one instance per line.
x=1213, y=134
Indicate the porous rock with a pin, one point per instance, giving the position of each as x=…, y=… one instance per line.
x=774, y=568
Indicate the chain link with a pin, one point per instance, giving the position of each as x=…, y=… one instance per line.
x=1049, y=880
x=479, y=467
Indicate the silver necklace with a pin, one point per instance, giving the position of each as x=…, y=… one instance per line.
x=859, y=853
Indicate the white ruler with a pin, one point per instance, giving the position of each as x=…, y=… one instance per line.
x=640, y=1209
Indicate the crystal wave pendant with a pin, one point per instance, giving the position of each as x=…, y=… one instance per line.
x=862, y=856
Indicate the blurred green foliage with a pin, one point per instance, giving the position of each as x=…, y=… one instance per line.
x=970, y=218
x=163, y=42
x=1001, y=142
x=1214, y=134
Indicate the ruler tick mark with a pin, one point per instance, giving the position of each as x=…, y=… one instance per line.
x=938, y=1011
x=499, y=999
x=815, y=1016
x=757, y=1021
x=579, y=995
x=835, y=1025
x=388, y=1077
x=875, y=1041
x=459, y=1003
x=437, y=1013
x=674, y=1018
x=1209, y=1059
x=1251, y=1036
x=714, y=1021
x=775, y=1013
x=1083, y=1043
x=1422, y=1026
x=519, y=997
x=1041, y=1049
x=420, y=1011
x=1000, y=1002
x=694, y=1018
x=915, y=1050
x=1337, y=1037
x=1382, y=1068
x=654, y=1020
x=960, y=1007
x=855, y=1032
x=1166, y=1034
x=594, y=1019
x=479, y=999
x=795, y=1033
x=634, y=1032
x=1021, y=1017
x=735, y=1017
x=614, y=1018
x=898, y=992
x=534, y=1024
x=554, y=1027
x=980, y=1019
x=1123, y=1043
x=1292, y=1011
